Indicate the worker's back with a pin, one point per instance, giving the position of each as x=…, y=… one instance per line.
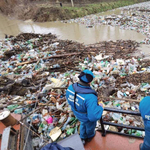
x=86, y=104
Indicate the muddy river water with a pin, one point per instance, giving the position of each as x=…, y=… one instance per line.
x=71, y=31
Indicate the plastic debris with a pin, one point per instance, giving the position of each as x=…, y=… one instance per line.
x=134, y=17
x=36, y=69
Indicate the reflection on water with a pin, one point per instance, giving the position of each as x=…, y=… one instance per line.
x=71, y=31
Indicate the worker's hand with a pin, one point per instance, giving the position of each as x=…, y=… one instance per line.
x=101, y=104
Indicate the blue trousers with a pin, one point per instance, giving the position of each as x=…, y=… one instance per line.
x=146, y=144
x=87, y=129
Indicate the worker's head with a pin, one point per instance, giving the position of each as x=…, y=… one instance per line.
x=86, y=76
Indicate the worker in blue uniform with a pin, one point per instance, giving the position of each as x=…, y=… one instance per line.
x=84, y=104
x=145, y=113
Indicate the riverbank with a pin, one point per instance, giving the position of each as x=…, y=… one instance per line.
x=133, y=18
x=44, y=12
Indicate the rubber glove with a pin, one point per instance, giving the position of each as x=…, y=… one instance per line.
x=101, y=104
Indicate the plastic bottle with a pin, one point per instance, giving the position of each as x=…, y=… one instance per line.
x=18, y=111
x=49, y=130
x=61, y=120
x=11, y=107
x=138, y=133
x=119, y=94
x=70, y=131
x=60, y=106
x=41, y=140
x=68, y=120
x=116, y=116
x=49, y=120
x=41, y=126
x=29, y=102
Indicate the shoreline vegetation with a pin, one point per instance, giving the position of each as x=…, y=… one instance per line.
x=44, y=12
x=98, y=7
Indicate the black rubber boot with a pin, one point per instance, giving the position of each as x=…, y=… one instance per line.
x=83, y=141
x=140, y=146
x=90, y=139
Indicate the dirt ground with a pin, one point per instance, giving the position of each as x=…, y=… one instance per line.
x=36, y=10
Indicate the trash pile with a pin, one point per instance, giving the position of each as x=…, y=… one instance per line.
x=134, y=17
x=36, y=69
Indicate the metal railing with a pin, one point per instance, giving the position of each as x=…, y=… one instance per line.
x=104, y=131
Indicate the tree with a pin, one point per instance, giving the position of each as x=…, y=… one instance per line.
x=72, y=3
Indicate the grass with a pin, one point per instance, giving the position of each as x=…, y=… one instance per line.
x=75, y=12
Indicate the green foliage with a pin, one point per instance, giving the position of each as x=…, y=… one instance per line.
x=75, y=12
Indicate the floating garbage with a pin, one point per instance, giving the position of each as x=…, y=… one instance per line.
x=134, y=17
x=36, y=70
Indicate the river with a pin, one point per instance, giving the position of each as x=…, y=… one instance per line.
x=71, y=31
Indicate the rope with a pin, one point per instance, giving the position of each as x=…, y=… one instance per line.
x=29, y=129
x=21, y=123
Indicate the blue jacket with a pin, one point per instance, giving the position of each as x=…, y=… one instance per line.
x=86, y=104
x=145, y=113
